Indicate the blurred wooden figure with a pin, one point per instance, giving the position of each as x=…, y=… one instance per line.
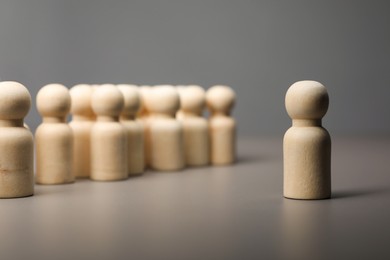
x=16, y=142
x=179, y=113
x=54, y=137
x=222, y=127
x=108, y=136
x=307, y=145
x=135, y=129
x=143, y=115
x=195, y=126
x=143, y=111
x=82, y=121
x=166, y=133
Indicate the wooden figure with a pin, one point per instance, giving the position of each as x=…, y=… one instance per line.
x=179, y=113
x=135, y=129
x=307, y=145
x=222, y=127
x=143, y=111
x=195, y=127
x=16, y=142
x=54, y=137
x=166, y=133
x=143, y=115
x=108, y=136
x=82, y=121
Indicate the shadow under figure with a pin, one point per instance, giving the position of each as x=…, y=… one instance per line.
x=363, y=192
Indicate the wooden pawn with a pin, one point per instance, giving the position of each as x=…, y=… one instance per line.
x=307, y=145
x=195, y=126
x=54, y=137
x=143, y=116
x=135, y=129
x=16, y=142
x=108, y=136
x=82, y=121
x=222, y=127
x=166, y=133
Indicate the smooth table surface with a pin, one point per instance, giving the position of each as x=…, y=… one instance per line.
x=233, y=212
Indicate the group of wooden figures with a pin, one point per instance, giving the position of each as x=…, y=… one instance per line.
x=115, y=131
x=120, y=130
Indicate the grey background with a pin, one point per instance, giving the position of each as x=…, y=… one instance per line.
x=258, y=47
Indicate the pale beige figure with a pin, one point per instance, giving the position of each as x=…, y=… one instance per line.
x=82, y=121
x=195, y=126
x=135, y=129
x=222, y=127
x=108, y=136
x=179, y=113
x=16, y=142
x=143, y=115
x=54, y=137
x=166, y=133
x=143, y=111
x=94, y=87
x=307, y=145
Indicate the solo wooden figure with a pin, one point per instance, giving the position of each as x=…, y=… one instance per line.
x=108, y=136
x=54, y=137
x=307, y=145
x=222, y=127
x=16, y=142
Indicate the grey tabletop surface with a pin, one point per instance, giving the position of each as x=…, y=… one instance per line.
x=232, y=212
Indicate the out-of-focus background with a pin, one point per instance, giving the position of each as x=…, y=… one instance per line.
x=258, y=47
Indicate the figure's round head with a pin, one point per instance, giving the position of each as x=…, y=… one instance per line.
x=53, y=100
x=15, y=100
x=192, y=99
x=81, y=96
x=307, y=100
x=220, y=99
x=179, y=88
x=107, y=100
x=164, y=99
x=132, y=99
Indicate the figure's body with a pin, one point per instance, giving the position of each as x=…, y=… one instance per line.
x=222, y=127
x=83, y=119
x=195, y=127
x=307, y=145
x=135, y=129
x=143, y=116
x=108, y=136
x=166, y=133
x=16, y=142
x=54, y=137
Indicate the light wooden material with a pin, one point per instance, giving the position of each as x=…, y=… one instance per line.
x=108, y=136
x=166, y=133
x=82, y=121
x=135, y=129
x=195, y=127
x=307, y=145
x=143, y=115
x=144, y=91
x=16, y=142
x=179, y=113
x=222, y=127
x=54, y=137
